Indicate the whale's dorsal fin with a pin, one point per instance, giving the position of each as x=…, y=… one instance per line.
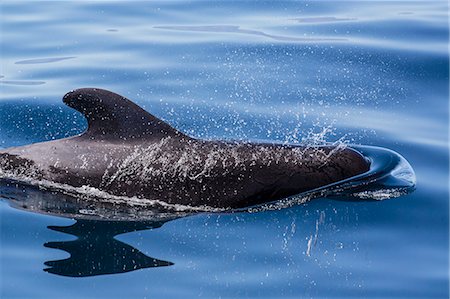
x=111, y=116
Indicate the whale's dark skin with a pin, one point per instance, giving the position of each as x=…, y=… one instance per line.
x=128, y=152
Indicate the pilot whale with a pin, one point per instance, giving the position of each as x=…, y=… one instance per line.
x=128, y=152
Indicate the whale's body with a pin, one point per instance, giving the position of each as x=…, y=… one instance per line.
x=128, y=152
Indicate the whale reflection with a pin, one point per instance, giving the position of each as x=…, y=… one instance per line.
x=97, y=252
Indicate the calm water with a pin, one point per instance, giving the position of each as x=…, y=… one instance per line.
x=373, y=73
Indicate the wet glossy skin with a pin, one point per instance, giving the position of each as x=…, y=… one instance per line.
x=128, y=152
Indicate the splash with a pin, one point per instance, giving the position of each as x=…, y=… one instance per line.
x=165, y=160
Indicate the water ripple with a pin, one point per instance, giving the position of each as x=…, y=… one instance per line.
x=314, y=20
x=237, y=29
x=44, y=60
x=18, y=82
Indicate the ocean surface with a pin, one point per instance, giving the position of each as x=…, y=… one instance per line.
x=369, y=72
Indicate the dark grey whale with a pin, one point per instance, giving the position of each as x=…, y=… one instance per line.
x=127, y=152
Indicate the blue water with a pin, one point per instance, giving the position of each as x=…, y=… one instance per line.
x=372, y=73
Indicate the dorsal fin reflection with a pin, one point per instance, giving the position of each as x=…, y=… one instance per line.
x=97, y=252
